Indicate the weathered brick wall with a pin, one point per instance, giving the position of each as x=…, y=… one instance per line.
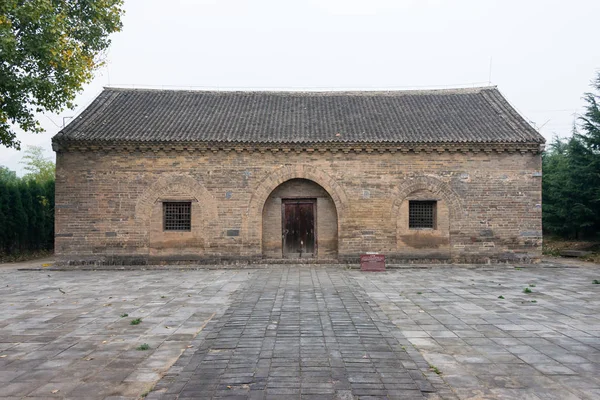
x=108, y=203
x=424, y=243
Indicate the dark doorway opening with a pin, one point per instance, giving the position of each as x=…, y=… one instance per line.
x=298, y=228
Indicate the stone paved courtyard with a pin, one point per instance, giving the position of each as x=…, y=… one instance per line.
x=314, y=332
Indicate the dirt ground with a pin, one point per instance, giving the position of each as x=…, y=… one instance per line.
x=554, y=246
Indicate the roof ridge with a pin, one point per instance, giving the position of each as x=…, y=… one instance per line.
x=308, y=91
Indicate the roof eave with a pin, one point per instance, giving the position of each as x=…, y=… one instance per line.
x=65, y=144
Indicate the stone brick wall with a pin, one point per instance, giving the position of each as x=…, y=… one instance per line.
x=109, y=204
x=424, y=243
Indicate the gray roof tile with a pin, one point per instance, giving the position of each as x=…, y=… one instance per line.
x=479, y=115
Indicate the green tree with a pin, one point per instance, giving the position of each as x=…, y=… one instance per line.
x=48, y=50
x=26, y=234
x=571, y=183
x=590, y=137
x=583, y=216
x=6, y=175
x=27, y=207
x=568, y=209
x=555, y=191
x=16, y=224
x=37, y=224
x=48, y=213
x=591, y=119
x=38, y=167
x=4, y=215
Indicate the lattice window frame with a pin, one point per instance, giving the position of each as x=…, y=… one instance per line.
x=422, y=214
x=177, y=216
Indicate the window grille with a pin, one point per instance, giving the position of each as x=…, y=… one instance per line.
x=177, y=216
x=421, y=214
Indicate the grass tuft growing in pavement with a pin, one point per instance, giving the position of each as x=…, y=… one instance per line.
x=527, y=290
x=124, y=315
x=501, y=297
x=435, y=369
x=136, y=321
x=596, y=282
x=142, y=347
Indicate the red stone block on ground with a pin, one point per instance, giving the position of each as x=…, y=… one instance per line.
x=372, y=262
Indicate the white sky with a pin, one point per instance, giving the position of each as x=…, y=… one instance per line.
x=544, y=52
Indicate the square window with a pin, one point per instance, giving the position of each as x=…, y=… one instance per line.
x=177, y=216
x=422, y=214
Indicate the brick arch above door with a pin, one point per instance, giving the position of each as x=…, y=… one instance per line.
x=252, y=221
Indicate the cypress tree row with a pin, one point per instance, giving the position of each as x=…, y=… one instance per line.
x=26, y=214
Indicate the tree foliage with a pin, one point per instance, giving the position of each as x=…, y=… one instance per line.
x=571, y=183
x=26, y=215
x=38, y=167
x=27, y=205
x=6, y=175
x=48, y=51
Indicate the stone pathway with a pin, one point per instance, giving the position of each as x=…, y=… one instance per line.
x=301, y=332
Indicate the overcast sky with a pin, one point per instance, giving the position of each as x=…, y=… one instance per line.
x=544, y=54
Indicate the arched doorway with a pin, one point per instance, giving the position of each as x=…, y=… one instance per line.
x=299, y=220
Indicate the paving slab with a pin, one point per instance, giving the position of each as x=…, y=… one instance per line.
x=69, y=334
x=302, y=331
x=510, y=344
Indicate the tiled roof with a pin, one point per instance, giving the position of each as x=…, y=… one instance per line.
x=479, y=115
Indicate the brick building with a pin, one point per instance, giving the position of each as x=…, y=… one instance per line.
x=153, y=176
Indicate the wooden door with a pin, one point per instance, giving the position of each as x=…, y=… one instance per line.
x=299, y=239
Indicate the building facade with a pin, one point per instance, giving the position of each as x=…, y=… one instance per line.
x=152, y=176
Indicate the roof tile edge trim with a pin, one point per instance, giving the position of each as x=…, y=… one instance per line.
x=203, y=147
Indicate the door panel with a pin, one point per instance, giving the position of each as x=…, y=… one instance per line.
x=299, y=229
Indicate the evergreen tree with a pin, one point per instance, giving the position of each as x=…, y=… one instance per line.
x=4, y=212
x=48, y=189
x=571, y=183
x=555, y=189
x=36, y=217
x=26, y=212
x=582, y=214
x=590, y=136
x=25, y=238
x=16, y=221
